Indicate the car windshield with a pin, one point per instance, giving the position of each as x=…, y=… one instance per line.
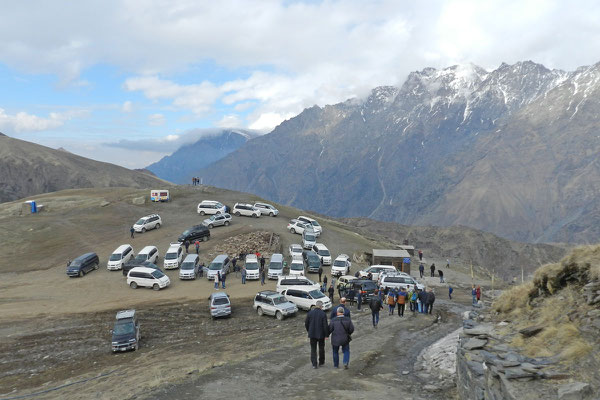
x=186, y=232
x=212, y=218
x=279, y=300
x=141, y=257
x=309, y=238
x=141, y=222
x=219, y=301
x=369, y=286
x=324, y=253
x=316, y=294
x=296, y=250
x=75, y=263
x=170, y=256
x=251, y=266
x=187, y=265
x=215, y=266
x=157, y=274
x=339, y=263
x=115, y=257
x=297, y=267
x=275, y=265
x=124, y=328
x=314, y=223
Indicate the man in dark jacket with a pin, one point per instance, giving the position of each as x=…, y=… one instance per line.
x=331, y=291
x=320, y=272
x=421, y=270
x=375, y=305
x=340, y=329
x=422, y=301
x=429, y=301
x=335, y=309
x=318, y=330
x=432, y=268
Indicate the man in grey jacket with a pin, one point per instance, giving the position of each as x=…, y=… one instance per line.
x=340, y=329
x=316, y=326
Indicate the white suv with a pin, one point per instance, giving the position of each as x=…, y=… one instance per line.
x=251, y=267
x=272, y=303
x=147, y=277
x=120, y=256
x=341, y=265
x=148, y=222
x=295, y=251
x=210, y=207
x=307, y=298
x=173, y=256
x=285, y=282
x=267, y=209
x=247, y=210
x=375, y=270
x=398, y=280
x=296, y=226
x=309, y=239
x=297, y=267
x=313, y=222
x=323, y=253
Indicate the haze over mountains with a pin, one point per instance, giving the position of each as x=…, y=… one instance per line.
x=27, y=169
x=513, y=151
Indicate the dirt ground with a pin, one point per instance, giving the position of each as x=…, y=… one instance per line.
x=54, y=330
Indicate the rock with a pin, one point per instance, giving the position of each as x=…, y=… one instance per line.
x=555, y=375
x=531, y=331
x=516, y=373
x=503, y=323
x=104, y=203
x=512, y=356
x=431, y=388
x=592, y=285
x=508, y=364
x=139, y=200
x=405, y=372
x=476, y=367
x=574, y=391
x=593, y=314
x=474, y=343
x=469, y=323
x=479, y=330
x=593, y=300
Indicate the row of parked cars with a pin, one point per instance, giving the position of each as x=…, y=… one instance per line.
x=212, y=207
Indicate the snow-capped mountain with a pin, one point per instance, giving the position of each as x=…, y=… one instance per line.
x=512, y=151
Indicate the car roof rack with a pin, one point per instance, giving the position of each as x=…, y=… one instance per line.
x=125, y=314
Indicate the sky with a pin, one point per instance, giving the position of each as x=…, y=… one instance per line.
x=129, y=81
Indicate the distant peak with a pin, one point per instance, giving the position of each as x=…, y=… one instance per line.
x=2, y=134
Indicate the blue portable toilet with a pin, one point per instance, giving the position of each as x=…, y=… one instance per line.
x=33, y=206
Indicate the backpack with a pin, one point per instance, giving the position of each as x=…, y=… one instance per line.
x=413, y=297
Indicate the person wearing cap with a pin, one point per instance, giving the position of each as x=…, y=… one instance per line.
x=318, y=330
x=340, y=329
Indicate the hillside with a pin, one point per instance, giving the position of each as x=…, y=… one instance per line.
x=509, y=151
x=27, y=169
x=181, y=166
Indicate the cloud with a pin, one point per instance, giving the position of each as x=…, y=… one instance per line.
x=23, y=122
x=156, y=119
x=127, y=107
x=229, y=121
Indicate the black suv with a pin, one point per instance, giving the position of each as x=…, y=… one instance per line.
x=126, y=333
x=311, y=260
x=83, y=264
x=197, y=232
x=365, y=286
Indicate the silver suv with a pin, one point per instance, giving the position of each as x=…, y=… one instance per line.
x=267, y=209
x=273, y=303
x=247, y=210
x=217, y=220
x=148, y=222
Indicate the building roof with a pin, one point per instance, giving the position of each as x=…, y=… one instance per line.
x=406, y=247
x=390, y=253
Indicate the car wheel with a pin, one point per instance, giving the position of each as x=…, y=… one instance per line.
x=237, y=213
x=293, y=230
x=133, y=285
x=157, y=226
x=279, y=315
x=201, y=212
x=259, y=311
x=218, y=212
x=155, y=286
x=96, y=266
x=271, y=214
x=143, y=230
x=205, y=239
x=255, y=215
x=226, y=223
x=312, y=307
x=210, y=226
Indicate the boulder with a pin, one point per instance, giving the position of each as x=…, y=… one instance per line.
x=139, y=200
x=104, y=203
x=531, y=331
x=574, y=391
x=474, y=343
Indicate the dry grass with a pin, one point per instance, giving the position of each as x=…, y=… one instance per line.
x=554, y=294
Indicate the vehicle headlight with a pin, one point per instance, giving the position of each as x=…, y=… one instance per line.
x=132, y=340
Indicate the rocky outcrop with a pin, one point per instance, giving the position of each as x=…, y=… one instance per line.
x=488, y=368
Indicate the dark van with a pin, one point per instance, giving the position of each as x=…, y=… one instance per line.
x=83, y=264
x=365, y=286
x=312, y=260
x=198, y=232
x=126, y=333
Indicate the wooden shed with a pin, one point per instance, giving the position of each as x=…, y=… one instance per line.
x=398, y=258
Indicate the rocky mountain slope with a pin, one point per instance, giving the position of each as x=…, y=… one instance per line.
x=27, y=169
x=180, y=166
x=510, y=151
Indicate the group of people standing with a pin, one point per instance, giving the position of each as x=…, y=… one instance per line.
x=195, y=181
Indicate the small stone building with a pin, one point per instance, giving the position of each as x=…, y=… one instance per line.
x=398, y=258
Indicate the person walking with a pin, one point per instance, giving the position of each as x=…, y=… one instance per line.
x=262, y=262
x=320, y=272
x=331, y=291
x=421, y=270
x=478, y=293
x=187, y=246
x=234, y=264
x=420, y=255
x=401, y=301
x=414, y=298
x=432, y=268
x=474, y=294
x=317, y=329
x=325, y=281
x=217, y=278
x=342, y=305
x=197, y=244
x=223, y=277
x=262, y=277
x=375, y=306
x=450, y=290
x=430, y=300
x=391, y=301
x=333, y=281
x=359, y=300
x=131, y=231
x=422, y=301
x=201, y=270
x=447, y=263
x=244, y=275
x=341, y=329
x=441, y=274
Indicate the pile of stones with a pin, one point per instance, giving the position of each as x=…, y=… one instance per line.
x=263, y=242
